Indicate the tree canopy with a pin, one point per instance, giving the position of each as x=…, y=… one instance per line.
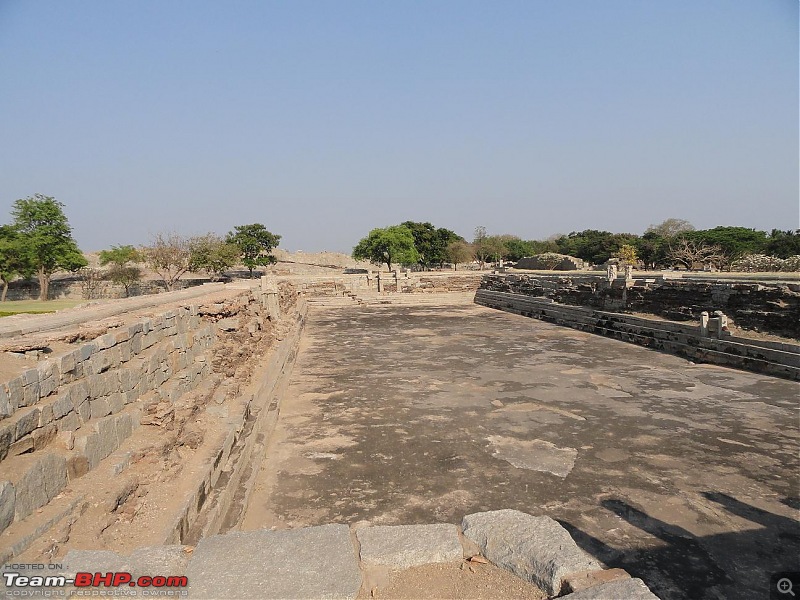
x=389, y=246
x=431, y=243
x=255, y=243
x=45, y=238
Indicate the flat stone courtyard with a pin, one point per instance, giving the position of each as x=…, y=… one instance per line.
x=684, y=475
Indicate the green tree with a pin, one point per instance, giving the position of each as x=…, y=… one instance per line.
x=594, y=246
x=46, y=238
x=13, y=259
x=783, y=244
x=122, y=270
x=458, y=251
x=255, y=244
x=390, y=245
x=430, y=242
x=212, y=254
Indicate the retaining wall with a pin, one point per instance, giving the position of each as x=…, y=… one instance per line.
x=773, y=358
x=768, y=306
x=60, y=419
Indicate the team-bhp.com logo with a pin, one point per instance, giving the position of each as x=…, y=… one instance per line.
x=87, y=584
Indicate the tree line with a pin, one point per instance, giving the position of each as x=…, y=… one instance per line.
x=39, y=242
x=674, y=242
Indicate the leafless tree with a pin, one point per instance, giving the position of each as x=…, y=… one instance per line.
x=169, y=255
x=688, y=252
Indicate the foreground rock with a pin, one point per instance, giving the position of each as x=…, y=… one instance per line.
x=405, y=546
x=536, y=549
x=315, y=562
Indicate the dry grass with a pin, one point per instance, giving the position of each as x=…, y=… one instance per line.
x=13, y=307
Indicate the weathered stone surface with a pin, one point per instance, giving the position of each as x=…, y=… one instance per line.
x=54, y=472
x=41, y=481
x=404, y=546
x=575, y=582
x=99, y=408
x=158, y=559
x=315, y=562
x=536, y=549
x=116, y=402
x=62, y=405
x=93, y=561
x=78, y=393
x=22, y=446
x=27, y=422
x=6, y=438
x=629, y=589
x=46, y=415
x=69, y=422
x=5, y=404
x=30, y=394
x=15, y=392
x=7, y=501
x=43, y=436
x=30, y=377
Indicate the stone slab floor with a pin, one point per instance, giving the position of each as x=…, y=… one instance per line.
x=685, y=475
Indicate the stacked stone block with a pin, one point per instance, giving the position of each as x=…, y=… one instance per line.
x=90, y=400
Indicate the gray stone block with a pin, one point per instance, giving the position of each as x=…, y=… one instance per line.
x=79, y=393
x=62, y=405
x=69, y=422
x=30, y=377
x=629, y=589
x=30, y=394
x=40, y=482
x=54, y=472
x=6, y=438
x=315, y=562
x=6, y=409
x=536, y=549
x=99, y=408
x=124, y=428
x=105, y=341
x=87, y=350
x=46, y=415
x=84, y=412
x=116, y=402
x=27, y=422
x=66, y=363
x=14, y=387
x=405, y=546
x=7, y=502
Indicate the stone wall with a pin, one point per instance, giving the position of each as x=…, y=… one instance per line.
x=73, y=288
x=774, y=358
x=60, y=419
x=770, y=307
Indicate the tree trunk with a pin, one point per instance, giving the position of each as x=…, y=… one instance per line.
x=44, y=284
x=5, y=291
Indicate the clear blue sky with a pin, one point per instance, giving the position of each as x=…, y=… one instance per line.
x=325, y=119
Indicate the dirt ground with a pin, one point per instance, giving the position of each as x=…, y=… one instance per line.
x=684, y=475
x=447, y=580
